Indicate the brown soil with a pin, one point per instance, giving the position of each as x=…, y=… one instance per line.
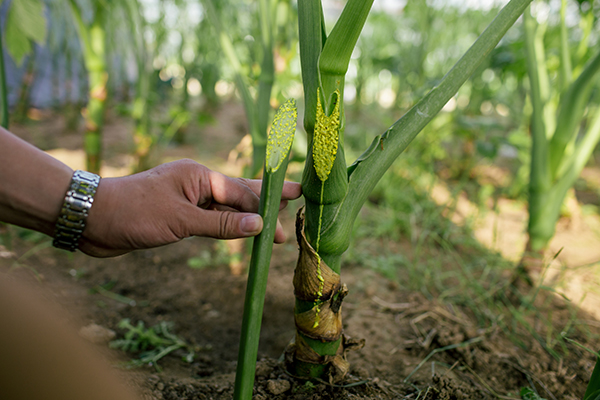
x=417, y=347
x=401, y=330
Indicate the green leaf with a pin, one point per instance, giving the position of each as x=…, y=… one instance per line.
x=528, y=394
x=29, y=15
x=335, y=57
x=369, y=171
x=377, y=140
x=25, y=22
x=593, y=396
x=312, y=37
x=339, y=46
x=593, y=390
x=573, y=104
x=18, y=46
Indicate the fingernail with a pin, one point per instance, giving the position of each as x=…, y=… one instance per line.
x=251, y=224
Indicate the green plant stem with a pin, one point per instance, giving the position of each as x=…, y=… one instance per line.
x=3, y=89
x=272, y=186
x=93, y=41
x=324, y=65
x=539, y=181
x=332, y=205
x=323, y=198
x=141, y=135
x=566, y=70
x=257, y=284
x=98, y=76
x=20, y=110
x=586, y=25
x=5, y=235
x=543, y=219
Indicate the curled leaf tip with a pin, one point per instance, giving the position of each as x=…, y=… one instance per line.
x=325, y=145
x=281, y=135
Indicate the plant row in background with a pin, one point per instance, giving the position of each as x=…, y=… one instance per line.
x=175, y=50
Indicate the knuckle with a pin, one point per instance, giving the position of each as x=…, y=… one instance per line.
x=245, y=182
x=187, y=162
x=225, y=225
x=186, y=165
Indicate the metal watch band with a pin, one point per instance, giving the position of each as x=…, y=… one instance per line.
x=73, y=215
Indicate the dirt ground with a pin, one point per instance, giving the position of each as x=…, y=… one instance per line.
x=416, y=347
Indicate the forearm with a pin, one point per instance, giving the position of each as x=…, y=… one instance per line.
x=160, y=206
x=32, y=184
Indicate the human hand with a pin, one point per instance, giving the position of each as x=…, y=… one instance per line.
x=171, y=202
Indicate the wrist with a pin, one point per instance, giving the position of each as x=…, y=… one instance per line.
x=100, y=221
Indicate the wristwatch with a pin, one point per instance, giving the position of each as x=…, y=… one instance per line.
x=73, y=215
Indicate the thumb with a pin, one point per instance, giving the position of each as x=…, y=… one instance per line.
x=225, y=224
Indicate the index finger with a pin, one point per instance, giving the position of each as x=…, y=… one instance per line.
x=235, y=193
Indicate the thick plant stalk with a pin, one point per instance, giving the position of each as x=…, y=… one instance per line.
x=319, y=293
x=277, y=157
x=319, y=348
x=93, y=41
x=334, y=199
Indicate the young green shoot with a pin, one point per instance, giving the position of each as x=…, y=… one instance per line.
x=279, y=143
x=152, y=344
